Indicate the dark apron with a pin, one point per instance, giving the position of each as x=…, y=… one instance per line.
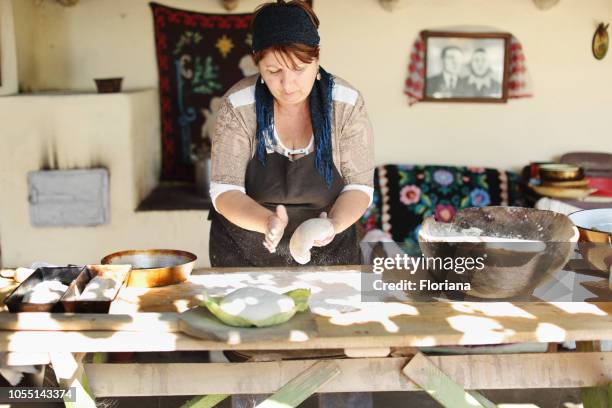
x=300, y=187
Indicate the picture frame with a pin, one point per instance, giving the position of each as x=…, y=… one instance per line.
x=466, y=66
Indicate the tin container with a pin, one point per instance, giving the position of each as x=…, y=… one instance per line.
x=73, y=304
x=64, y=274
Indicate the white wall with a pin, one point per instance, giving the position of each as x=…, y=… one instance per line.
x=8, y=52
x=25, y=34
x=369, y=47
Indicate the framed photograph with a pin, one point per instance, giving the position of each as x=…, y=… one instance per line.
x=466, y=67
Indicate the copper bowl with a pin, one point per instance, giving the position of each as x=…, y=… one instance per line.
x=560, y=172
x=521, y=248
x=154, y=267
x=595, y=243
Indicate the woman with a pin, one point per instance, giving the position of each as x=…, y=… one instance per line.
x=291, y=143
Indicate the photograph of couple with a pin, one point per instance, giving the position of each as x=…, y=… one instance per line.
x=470, y=68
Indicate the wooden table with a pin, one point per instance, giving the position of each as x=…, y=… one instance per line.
x=381, y=338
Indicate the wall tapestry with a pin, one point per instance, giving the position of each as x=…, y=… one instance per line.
x=199, y=57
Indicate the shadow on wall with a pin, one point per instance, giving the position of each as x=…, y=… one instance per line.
x=49, y=159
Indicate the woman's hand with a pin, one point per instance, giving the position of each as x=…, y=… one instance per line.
x=275, y=228
x=326, y=240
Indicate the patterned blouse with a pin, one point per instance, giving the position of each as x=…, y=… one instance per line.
x=234, y=140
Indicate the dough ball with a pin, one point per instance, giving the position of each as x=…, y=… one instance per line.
x=305, y=235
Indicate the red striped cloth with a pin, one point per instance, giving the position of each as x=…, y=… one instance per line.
x=519, y=81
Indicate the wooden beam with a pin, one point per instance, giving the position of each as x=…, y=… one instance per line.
x=303, y=386
x=593, y=397
x=21, y=359
x=367, y=352
x=70, y=374
x=100, y=341
x=149, y=322
x=206, y=401
x=473, y=372
x=442, y=387
x=111, y=341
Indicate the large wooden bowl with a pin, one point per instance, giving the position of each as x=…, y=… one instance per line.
x=528, y=247
x=154, y=267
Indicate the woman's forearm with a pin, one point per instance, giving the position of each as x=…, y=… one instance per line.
x=348, y=208
x=243, y=211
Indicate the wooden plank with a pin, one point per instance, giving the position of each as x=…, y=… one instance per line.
x=440, y=386
x=70, y=374
x=21, y=359
x=109, y=341
x=592, y=397
x=462, y=323
x=481, y=399
x=303, y=386
x=473, y=372
x=206, y=401
x=99, y=341
x=367, y=352
x=149, y=322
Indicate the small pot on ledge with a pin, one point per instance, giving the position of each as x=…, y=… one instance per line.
x=108, y=85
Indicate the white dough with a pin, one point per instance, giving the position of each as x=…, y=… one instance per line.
x=99, y=288
x=305, y=235
x=45, y=292
x=255, y=304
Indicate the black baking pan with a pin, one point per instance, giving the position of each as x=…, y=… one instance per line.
x=70, y=301
x=64, y=274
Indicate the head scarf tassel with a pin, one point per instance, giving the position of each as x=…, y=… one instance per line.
x=320, y=101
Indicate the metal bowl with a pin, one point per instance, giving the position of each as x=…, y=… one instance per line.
x=522, y=248
x=595, y=243
x=154, y=267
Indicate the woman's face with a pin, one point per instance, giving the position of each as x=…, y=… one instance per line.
x=289, y=86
